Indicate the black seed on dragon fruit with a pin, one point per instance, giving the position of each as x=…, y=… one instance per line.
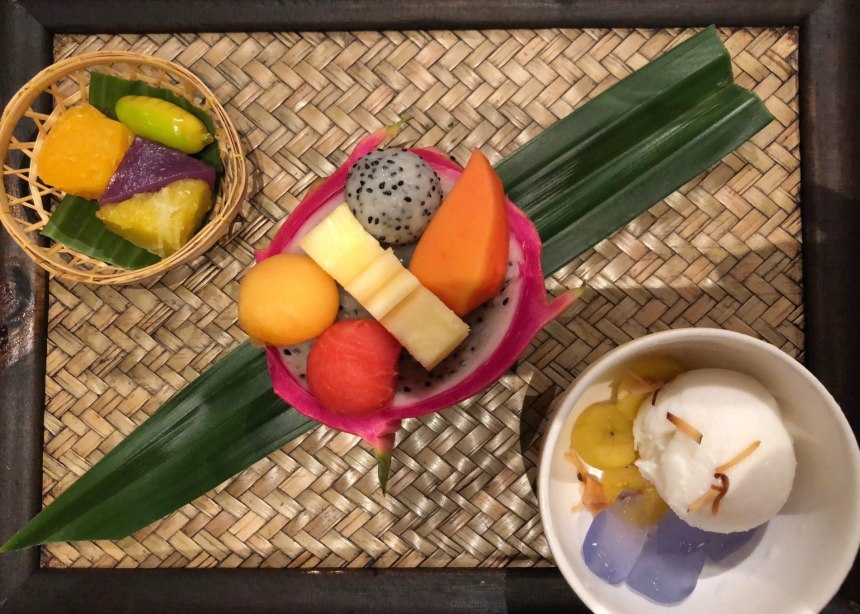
x=407, y=194
x=295, y=357
x=349, y=307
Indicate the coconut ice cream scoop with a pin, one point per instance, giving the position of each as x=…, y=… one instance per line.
x=713, y=444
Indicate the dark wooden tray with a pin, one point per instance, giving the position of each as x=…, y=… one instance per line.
x=830, y=204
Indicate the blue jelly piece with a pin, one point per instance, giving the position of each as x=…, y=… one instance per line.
x=612, y=545
x=665, y=577
x=677, y=537
x=722, y=545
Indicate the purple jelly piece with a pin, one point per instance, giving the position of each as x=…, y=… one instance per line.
x=148, y=167
x=665, y=577
x=722, y=545
x=612, y=545
x=675, y=536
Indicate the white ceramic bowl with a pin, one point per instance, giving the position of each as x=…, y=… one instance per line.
x=800, y=559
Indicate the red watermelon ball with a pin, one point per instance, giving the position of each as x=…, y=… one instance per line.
x=352, y=367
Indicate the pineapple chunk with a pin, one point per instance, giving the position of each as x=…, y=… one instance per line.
x=392, y=294
x=371, y=280
x=341, y=246
x=420, y=321
x=160, y=222
x=426, y=327
x=382, y=285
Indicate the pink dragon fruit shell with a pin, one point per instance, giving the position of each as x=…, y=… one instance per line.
x=501, y=329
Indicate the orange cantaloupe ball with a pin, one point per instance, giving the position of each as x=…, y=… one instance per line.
x=287, y=299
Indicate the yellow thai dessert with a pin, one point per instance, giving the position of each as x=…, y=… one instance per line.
x=82, y=151
x=160, y=222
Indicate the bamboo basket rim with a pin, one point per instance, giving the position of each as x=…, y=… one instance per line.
x=225, y=209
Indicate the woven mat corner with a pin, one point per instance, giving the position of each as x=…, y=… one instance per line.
x=723, y=251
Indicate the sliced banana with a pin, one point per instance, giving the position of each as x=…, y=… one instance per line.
x=603, y=437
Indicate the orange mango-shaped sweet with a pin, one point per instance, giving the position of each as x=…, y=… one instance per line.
x=82, y=150
x=462, y=257
x=287, y=299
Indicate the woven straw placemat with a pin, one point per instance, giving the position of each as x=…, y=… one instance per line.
x=724, y=251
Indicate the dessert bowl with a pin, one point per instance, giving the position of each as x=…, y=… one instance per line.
x=796, y=562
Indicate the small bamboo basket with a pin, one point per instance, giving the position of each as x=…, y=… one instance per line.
x=25, y=202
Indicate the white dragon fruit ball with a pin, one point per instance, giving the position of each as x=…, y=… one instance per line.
x=394, y=194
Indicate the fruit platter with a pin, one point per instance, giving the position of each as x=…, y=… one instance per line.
x=470, y=301
x=358, y=374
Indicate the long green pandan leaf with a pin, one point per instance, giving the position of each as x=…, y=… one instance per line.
x=604, y=164
x=221, y=423
x=74, y=223
x=579, y=181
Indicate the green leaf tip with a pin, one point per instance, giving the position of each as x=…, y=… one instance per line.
x=600, y=167
x=220, y=424
x=18, y=541
x=383, y=467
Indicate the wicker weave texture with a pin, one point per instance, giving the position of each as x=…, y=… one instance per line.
x=724, y=251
